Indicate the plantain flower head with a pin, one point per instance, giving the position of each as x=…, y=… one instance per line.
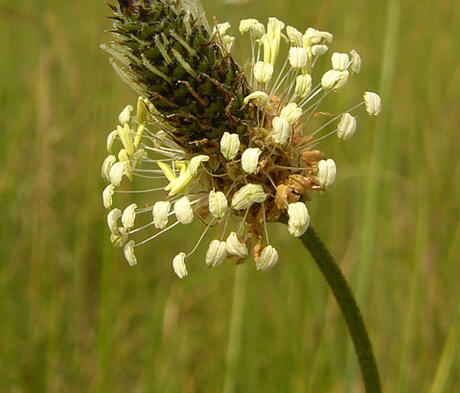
x=215, y=146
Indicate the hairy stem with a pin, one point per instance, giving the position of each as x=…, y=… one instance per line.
x=349, y=308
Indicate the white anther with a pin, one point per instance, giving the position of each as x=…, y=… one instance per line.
x=319, y=50
x=160, y=213
x=355, y=62
x=179, y=266
x=346, y=127
x=303, y=85
x=254, y=26
x=110, y=139
x=229, y=145
x=107, y=195
x=129, y=216
x=294, y=36
x=195, y=163
x=112, y=220
x=263, y=71
x=334, y=79
x=315, y=36
x=291, y=112
x=235, y=246
x=250, y=159
x=281, y=130
x=268, y=258
x=217, y=204
x=299, y=219
x=247, y=195
x=257, y=95
x=216, y=253
x=373, y=103
x=340, y=61
x=298, y=57
x=128, y=251
x=117, y=171
x=183, y=210
x=106, y=165
x=125, y=115
x=326, y=172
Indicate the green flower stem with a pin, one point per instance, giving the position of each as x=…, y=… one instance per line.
x=349, y=308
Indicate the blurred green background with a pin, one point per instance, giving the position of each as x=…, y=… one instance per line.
x=74, y=317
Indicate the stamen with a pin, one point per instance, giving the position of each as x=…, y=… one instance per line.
x=313, y=107
x=244, y=220
x=213, y=174
x=265, y=224
x=227, y=218
x=271, y=181
x=140, y=228
x=291, y=168
x=148, y=177
x=336, y=117
x=151, y=161
x=151, y=171
x=192, y=203
x=163, y=150
x=252, y=58
x=312, y=91
x=289, y=73
x=201, y=238
x=310, y=97
x=323, y=137
x=230, y=190
x=279, y=76
x=156, y=235
x=140, y=191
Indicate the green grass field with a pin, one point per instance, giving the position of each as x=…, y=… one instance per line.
x=74, y=317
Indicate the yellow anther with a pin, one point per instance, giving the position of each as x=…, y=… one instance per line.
x=139, y=134
x=167, y=170
x=180, y=183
